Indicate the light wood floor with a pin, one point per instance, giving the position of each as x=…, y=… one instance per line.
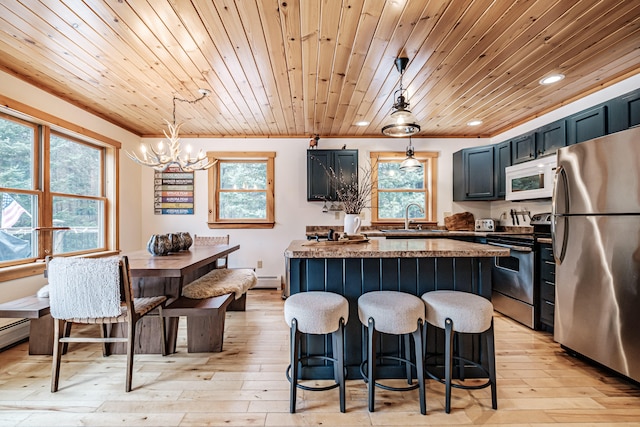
x=245, y=385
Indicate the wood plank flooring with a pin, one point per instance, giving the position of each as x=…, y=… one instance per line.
x=245, y=385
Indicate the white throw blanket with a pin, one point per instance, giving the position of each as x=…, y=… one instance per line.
x=84, y=287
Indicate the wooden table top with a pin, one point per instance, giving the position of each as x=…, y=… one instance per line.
x=175, y=264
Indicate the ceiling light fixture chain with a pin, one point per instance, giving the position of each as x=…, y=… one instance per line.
x=161, y=158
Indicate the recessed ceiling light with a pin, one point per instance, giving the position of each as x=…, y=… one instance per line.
x=551, y=79
x=362, y=123
x=474, y=122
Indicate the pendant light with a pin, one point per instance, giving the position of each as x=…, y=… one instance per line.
x=410, y=163
x=401, y=122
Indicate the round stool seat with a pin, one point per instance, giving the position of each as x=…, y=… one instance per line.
x=316, y=312
x=470, y=313
x=393, y=312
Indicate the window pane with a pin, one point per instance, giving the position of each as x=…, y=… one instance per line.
x=244, y=205
x=243, y=176
x=390, y=176
x=84, y=217
x=16, y=155
x=75, y=167
x=392, y=204
x=17, y=219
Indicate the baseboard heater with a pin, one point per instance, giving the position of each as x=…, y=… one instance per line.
x=14, y=332
x=272, y=282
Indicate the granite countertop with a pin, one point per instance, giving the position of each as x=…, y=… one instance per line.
x=393, y=248
x=545, y=240
x=322, y=231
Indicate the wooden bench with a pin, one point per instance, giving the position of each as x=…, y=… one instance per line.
x=205, y=320
x=40, y=325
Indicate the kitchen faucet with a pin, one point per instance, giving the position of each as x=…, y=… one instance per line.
x=406, y=214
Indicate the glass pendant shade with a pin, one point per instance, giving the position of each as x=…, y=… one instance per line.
x=410, y=163
x=401, y=123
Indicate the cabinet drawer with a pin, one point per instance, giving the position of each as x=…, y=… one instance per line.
x=548, y=271
x=547, y=292
x=546, y=253
x=547, y=312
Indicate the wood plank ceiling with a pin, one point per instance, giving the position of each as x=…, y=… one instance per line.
x=299, y=67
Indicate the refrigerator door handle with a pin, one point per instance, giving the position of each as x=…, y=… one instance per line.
x=559, y=247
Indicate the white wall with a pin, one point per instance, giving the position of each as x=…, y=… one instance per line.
x=292, y=211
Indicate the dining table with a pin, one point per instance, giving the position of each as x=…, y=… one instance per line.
x=153, y=275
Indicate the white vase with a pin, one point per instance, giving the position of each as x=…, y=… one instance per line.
x=351, y=223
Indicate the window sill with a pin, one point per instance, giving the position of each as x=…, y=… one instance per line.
x=241, y=225
x=37, y=268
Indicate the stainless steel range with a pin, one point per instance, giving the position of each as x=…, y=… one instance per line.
x=515, y=285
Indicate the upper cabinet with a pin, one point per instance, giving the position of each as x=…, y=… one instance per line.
x=523, y=148
x=479, y=172
x=624, y=111
x=587, y=125
x=502, y=152
x=321, y=163
x=473, y=174
x=551, y=137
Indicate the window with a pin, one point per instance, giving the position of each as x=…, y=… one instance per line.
x=241, y=190
x=53, y=194
x=394, y=189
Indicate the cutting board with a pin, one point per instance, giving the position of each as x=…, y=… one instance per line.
x=351, y=240
x=463, y=221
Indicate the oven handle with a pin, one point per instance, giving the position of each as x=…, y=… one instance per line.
x=512, y=247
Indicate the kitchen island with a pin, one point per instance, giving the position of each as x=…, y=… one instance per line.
x=414, y=266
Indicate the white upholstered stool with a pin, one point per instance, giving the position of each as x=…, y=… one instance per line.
x=462, y=312
x=396, y=313
x=316, y=312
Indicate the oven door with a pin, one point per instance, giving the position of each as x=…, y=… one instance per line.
x=513, y=275
x=513, y=284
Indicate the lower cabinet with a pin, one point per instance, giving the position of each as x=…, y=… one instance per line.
x=547, y=281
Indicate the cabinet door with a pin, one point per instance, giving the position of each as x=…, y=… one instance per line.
x=523, y=148
x=318, y=182
x=479, y=173
x=321, y=163
x=587, y=125
x=551, y=137
x=624, y=111
x=503, y=159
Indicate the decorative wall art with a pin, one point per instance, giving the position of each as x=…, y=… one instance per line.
x=173, y=192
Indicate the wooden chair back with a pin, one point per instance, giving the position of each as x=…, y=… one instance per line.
x=211, y=241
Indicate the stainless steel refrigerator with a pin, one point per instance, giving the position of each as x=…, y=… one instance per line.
x=596, y=243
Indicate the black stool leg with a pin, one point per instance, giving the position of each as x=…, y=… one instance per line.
x=448, y=359
x=371, y=363
x=417, y=340
x=293, y=345
x=338, y=354
x=407, y=355
x=491, y=360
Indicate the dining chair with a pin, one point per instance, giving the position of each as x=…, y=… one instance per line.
x=210, y=241
x=96, y=291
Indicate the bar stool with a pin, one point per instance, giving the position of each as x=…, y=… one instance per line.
x=316, y=312
x=466, y=313
x=396, y=313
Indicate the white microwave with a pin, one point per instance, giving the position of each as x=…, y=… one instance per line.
x=531, y=180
